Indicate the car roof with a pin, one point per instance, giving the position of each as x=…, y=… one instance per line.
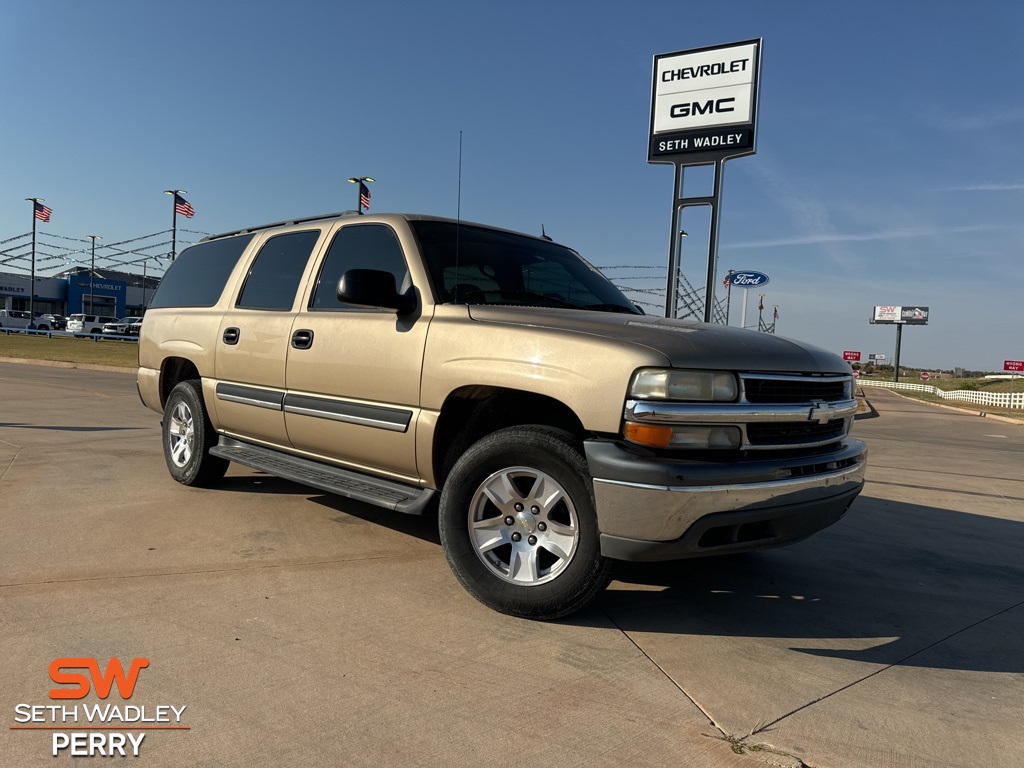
x=380, y=218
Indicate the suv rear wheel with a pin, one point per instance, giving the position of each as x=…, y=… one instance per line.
x=518, y=525
x=188, y=437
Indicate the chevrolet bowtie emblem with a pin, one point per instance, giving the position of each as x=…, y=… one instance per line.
x=821, y=413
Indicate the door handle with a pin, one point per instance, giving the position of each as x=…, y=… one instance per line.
x=231, y=335
x=302, y=339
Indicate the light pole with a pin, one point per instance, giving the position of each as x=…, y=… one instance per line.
x=92, y=275
x=728, y=295
x=145, y=263
x=36, y=201
x=363, y=192
x=174, y=218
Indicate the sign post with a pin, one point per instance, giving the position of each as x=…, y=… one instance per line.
x=899, y=316
x=1015, y=367
x=746, y=279
x=703, y=112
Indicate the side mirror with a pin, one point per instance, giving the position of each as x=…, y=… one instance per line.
x=374, y=288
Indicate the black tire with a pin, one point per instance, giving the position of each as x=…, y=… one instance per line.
x=538, y=478
x=187, y=437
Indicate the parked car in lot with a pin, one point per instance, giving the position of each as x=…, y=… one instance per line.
x=53, y=322
x=82, y=323
x=135, y=328
x=14, y=318
x=123, y=327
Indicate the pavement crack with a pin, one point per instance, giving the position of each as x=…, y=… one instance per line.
x=671, y=679
x=14, y=458
x=759, y=727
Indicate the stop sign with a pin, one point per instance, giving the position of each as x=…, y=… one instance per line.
x=925, y=375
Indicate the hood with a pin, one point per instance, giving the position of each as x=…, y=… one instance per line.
x=686, y=343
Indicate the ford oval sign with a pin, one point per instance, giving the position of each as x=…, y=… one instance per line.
x=748, y=278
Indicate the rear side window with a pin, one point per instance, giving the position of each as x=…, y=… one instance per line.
x=359, y=246
x=274, y=277
x=197, y=277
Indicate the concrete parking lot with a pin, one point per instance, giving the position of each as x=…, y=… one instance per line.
x=303, y=629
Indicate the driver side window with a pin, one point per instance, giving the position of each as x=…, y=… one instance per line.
x=358, y=246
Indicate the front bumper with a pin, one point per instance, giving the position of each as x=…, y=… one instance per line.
x=655, y=508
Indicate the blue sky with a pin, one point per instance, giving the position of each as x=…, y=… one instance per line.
x=889, y=165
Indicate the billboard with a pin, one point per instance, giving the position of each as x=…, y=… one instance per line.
x=900, y=315
x=704, y=101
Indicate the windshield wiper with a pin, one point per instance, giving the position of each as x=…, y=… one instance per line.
x=612, y=308
x=541, y=299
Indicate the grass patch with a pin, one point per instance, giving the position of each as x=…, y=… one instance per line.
x=122, y=354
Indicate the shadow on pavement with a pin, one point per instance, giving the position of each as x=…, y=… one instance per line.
x=421, y=526
x=66, y=428
x=905, y=575
x=889, y=581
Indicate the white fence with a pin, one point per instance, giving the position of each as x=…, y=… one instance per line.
x=993, y=399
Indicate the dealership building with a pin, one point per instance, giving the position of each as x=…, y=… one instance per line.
x=115, y=294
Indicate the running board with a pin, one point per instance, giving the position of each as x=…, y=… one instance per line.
x=344, y=482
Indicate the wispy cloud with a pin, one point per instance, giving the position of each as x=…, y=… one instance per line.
x=995, y=118
x=824, y=238
x=985, y=187
x=807, y=212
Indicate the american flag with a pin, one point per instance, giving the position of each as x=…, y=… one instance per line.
x=364, y=196
x=728, y=280
x=776, y=313
x=42, y=212
x=183, y=206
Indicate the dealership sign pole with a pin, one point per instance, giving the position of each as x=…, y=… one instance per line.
x=747, y=279
x=703, y=112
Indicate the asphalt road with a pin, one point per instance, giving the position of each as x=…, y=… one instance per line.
x=302, y=629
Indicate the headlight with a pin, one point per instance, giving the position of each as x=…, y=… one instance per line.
x=671, y=384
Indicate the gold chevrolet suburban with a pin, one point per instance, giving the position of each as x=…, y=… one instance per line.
x=415, y=362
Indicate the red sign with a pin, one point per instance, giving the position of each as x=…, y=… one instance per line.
x=851, y=356
x=1013, y=365
x=856, y=373
x=925, y=375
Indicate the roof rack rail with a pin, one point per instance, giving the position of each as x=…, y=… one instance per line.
x=280, y=224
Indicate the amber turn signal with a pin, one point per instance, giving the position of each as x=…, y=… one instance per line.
x=648, y=434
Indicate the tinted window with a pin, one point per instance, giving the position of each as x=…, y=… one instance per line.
x=275, y=274
x=475, y=265
x=359, y=246
x=197, y=276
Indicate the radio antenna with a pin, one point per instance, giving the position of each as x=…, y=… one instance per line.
x=458, y=202
x=458, y=218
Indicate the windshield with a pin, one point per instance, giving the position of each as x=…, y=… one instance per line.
x=494, y=267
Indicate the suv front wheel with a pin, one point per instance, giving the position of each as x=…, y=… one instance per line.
x=188, y=436
x=518, y=525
